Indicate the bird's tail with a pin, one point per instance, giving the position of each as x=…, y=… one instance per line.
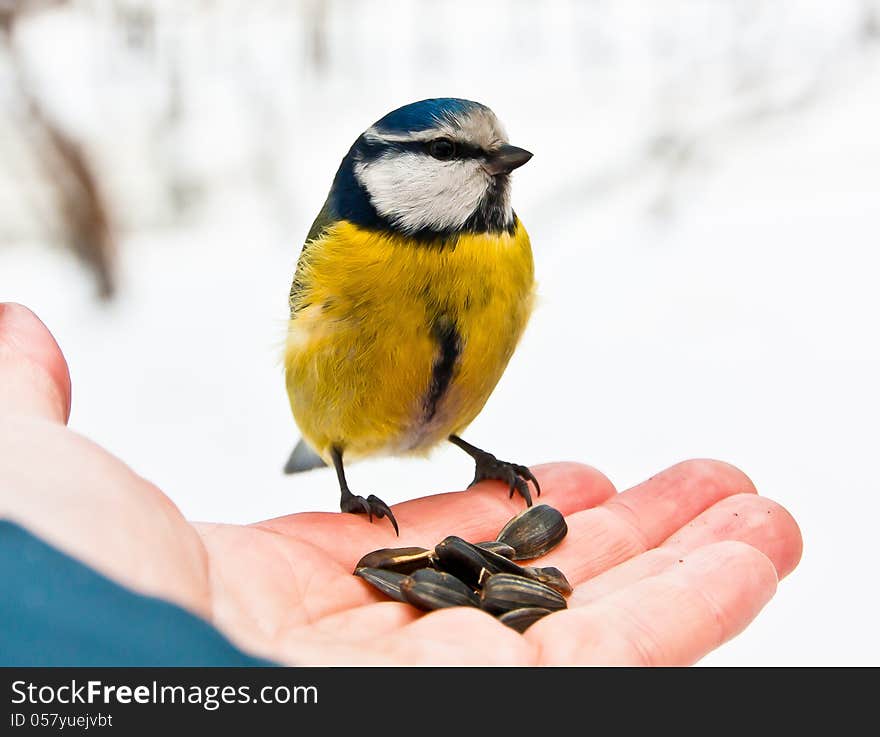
x=303, y=458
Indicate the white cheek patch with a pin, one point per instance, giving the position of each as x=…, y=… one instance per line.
x=415, y=191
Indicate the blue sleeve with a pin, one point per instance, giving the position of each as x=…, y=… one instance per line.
x=55, y=611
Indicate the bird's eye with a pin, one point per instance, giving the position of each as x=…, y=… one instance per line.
x=442, y=148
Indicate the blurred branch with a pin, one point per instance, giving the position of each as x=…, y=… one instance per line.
x=870, y=23
x=316, y=14
x=671, y=152
x=82, y=208
x=12, y=10
x=675, y=152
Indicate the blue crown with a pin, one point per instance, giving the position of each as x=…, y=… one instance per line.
x=419, y=116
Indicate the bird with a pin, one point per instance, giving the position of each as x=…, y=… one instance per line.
x=411, y=292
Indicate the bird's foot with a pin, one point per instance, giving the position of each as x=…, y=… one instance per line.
x=370, y=506
x=517, y=477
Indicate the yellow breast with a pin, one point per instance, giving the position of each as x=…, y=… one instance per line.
x=363, y=353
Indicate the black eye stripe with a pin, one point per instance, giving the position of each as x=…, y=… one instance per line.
x=462, y=150
x=468, y=151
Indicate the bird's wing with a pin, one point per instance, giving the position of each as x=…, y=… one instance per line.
x=324, y=219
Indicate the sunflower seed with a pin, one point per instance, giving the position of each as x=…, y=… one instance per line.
x=388, y=582
x=429, y=589
x=534, y=532
x=549, y=576
x=402, y=560
x=504, y=592
x=522, y=619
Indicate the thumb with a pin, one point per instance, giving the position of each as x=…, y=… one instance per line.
x=34, y=379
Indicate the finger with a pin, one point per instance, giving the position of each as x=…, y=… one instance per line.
x=640, y=518
x=673, y=618
x=476, y=514
x=747, y=518
x=760, y=522
x=34, y=379
x=663, y=503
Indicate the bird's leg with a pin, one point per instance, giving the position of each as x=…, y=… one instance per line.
x=489, y=467
x=370, y=506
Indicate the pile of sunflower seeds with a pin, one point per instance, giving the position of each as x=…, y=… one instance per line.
x=484, y=575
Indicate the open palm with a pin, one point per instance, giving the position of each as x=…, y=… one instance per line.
x=663, y=572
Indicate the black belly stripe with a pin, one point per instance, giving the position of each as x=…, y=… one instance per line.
x=448, y=340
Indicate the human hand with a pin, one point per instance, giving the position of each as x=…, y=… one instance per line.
x=663, y=572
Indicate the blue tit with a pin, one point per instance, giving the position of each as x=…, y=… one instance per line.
x=412, y=290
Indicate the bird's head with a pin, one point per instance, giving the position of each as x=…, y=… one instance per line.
x=431, y=168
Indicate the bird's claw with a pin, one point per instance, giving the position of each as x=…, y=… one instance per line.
x=513, y=474
x=370, y=506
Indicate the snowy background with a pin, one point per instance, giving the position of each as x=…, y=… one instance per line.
x=704, y=206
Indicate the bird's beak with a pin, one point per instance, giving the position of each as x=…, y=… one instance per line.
x=505, y=159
